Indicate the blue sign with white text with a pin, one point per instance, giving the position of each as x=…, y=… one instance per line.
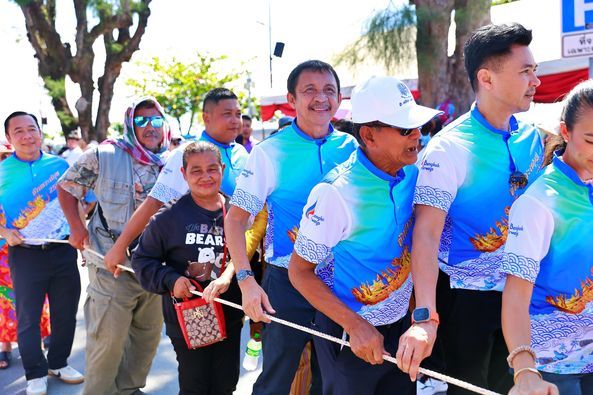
x=577, y=15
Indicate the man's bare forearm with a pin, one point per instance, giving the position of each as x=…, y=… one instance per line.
x=69, y=204
x=235, y=227
x=425, y=268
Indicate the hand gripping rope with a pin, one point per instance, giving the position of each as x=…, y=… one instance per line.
x=389, y=358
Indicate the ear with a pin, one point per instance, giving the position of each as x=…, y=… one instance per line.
x=367, y=135
x=223, y=167
x=291, y=99
x=184, y=174
x=8, y=137
x=484, y=78
x=564, y=132
x=206, y=118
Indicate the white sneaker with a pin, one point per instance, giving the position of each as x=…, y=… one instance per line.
x=431, y=386
x=67, y=374
x=37, y=386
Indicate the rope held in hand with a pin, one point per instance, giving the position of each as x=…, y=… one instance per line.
x=389, y=358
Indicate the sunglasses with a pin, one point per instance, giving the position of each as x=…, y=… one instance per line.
x=157, y=121
x=402, y=132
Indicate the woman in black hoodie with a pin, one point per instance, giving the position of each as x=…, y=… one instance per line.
x=189, y=238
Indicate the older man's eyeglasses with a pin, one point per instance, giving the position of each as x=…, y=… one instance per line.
x=156, y=121
x=402, y=131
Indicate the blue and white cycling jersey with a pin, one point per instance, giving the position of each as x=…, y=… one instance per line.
x=171, y=185
x=465, y=171
x=357, y=227
x=29, y=197
x=550, y=244
x=281, y=171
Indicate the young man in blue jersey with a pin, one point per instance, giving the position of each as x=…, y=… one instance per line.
x=470, y=174
x=222, y=119
x=351, y=258
x=280, y=172
x=29, y=209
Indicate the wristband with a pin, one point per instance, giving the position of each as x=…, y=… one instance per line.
x=518, y=372
x=518, y=350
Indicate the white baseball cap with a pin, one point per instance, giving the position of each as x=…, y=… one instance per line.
x=388, y=100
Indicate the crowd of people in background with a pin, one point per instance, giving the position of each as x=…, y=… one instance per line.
x=457, y=243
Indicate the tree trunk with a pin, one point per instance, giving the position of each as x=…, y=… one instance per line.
x=469, y=15
x=56, y=60
x=433, y=20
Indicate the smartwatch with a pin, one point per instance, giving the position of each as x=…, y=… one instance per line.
x=244, y=274
x=424, y=314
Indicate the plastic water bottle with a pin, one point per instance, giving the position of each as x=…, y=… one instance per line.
x=252, y=353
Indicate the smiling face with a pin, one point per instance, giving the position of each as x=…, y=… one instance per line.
x=203, y=174
x=316, y=100
x=24, y=135
x=579, y=144
x=511, y=80
x=148, y=136
x=223, y=120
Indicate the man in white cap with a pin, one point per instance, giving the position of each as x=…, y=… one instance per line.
x=351, y=258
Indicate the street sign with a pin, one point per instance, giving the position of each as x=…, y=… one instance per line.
x=577, y=28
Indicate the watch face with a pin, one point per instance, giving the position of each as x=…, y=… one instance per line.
x=243, y=274
x=421, y=314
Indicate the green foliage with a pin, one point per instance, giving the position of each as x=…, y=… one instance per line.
x=55, y=88
x=180, y=86
x=66, y=119
x=244, y=103
x=389, y=36
x=116, y=129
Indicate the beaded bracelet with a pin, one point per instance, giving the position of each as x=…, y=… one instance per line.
x=518, y=372
x=519, y=350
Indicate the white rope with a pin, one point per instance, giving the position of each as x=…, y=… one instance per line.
x=389, y=358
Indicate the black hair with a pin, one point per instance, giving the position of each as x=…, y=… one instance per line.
x=579, y=99
x=309, y=65
x=576, y=101
x=199, y=147
x=245, y=117
x=490, y=43
x=18, y=114
x=216, y=95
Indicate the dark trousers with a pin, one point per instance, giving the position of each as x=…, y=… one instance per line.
x=211, y=370
x=471, y=337
x=282, y=345
x=571, y=384
x=345, y=373
x=35, y=273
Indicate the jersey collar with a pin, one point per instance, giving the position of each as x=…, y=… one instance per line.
x=305, y=136
x=571, y=174
x=208, y=138
x=513, y=124
x=393, y=180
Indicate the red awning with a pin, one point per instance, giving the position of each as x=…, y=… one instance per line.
x=555, y=86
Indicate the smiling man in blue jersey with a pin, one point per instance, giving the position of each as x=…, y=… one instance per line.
x=470, y=174
x=351, y=258
x=281, y=171
x=222, y=120
x=29, y=209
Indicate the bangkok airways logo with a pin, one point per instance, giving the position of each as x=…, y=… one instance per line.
x=310, y=211
x=310, y=214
